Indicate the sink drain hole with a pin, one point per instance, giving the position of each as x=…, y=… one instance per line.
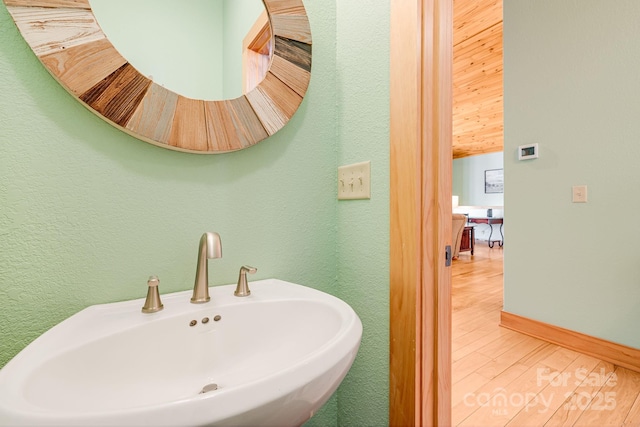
x=208, y=388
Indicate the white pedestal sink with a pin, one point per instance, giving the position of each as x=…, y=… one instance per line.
x=276, y=356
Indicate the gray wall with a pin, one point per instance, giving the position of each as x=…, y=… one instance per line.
x=468, y=179
x=571, y=85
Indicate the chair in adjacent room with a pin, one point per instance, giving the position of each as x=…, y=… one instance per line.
x=459, y=221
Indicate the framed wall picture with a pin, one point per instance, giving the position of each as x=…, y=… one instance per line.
x=494, y=181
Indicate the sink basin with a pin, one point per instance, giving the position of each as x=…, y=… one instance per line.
x=275, y=356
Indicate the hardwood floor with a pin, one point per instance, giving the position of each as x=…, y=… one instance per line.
x=504, y=378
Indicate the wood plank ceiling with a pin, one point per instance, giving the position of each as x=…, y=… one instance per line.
x=477, y=77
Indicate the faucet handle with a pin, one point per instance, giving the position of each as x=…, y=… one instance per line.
x=152, y=303
x=242, y=289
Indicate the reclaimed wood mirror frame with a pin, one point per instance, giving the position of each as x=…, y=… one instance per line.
x=67, y=39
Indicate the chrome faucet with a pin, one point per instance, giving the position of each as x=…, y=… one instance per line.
x=210, y=247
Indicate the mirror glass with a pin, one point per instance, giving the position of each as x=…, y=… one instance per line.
x=191, y=47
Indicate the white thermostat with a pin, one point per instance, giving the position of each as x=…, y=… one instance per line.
x=526, y=152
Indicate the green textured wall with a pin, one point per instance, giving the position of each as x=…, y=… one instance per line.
x=571, y=85
x=87, y=212
x=363, y=225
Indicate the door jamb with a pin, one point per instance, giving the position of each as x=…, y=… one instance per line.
x=420, y=212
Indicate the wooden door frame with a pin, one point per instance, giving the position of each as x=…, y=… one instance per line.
x=420, y=212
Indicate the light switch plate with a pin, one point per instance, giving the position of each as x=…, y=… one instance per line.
x=579, y=194
x=354, y=181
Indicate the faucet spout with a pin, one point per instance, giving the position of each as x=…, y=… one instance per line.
x=210, y=247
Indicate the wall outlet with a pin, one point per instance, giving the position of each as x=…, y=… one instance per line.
x=354, y=181
x=579, y=194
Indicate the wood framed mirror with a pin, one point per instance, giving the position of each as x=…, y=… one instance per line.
x=67, y=39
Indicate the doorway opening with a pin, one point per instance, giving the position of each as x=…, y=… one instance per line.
x=478, y=189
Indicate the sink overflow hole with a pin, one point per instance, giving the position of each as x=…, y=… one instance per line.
x=208, y=388
x=205, y=320
x=217, y=317
x=193, y=323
